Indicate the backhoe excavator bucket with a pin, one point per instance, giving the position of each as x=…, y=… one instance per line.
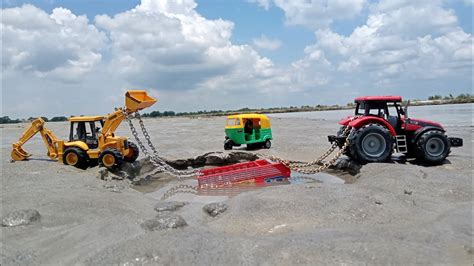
x=138, y=100
x=18, y=154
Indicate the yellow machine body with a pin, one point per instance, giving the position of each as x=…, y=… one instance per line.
x=91, y=143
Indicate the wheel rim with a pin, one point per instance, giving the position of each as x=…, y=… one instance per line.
x=434, y=147
x=268, y=144
x=374, y=144
x=108, y=160
x=72, y=158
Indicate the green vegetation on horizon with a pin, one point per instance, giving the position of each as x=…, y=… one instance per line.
x=432, y=100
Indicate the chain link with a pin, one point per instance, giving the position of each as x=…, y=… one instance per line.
x=302, y=168
x=160, y=163
x=182, y=188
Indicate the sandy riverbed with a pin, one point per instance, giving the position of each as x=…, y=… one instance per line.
x=392, y=213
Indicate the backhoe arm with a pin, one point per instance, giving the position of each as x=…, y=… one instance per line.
x=50, y=140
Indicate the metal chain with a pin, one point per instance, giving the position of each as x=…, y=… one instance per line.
x=179, y=189
x=160, y=163
x=301, y=167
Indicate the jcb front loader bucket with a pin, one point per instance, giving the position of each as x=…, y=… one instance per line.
x=18, y=154
x=138, y=100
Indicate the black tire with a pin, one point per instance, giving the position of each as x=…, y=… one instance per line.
x=267, y=144
x=111, y=158
x=135, y=152
x=228, y=145
x=346, y=151
x=76, y=157
x=371, y=143
x=433, y=147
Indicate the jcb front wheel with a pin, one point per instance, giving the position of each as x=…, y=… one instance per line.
x=111, y=159
x=75, y=157
x=133, y=153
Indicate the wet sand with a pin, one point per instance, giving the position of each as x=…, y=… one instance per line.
x=392, y=213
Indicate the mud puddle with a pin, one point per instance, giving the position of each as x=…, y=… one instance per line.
x=157, y=188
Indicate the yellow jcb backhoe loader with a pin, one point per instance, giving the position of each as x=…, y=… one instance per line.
x=91, y=140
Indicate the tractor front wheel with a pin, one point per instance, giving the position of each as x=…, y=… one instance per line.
x=433, y=147
x=371, y=143
x=75, y=157
x=133, y=153
x=111, y=158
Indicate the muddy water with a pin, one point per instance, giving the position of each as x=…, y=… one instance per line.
x=158, y=187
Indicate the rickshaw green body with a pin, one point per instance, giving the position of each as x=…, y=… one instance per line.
x=261, y=130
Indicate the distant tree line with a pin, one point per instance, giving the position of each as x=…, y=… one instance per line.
x=8, y=120
x=436, y=99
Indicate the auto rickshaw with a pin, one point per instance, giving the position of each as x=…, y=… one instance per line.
x=250, y=129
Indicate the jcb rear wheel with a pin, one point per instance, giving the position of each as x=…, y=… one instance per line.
x=111, y=159
x=133, y=154
x=75, y=157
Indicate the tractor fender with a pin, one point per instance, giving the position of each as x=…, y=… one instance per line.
x=422, y=130
x=78, y=144
x=362, y=121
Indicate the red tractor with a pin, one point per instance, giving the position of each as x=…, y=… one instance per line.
x=381, y=126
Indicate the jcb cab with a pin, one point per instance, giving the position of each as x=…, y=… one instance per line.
x=251, y=129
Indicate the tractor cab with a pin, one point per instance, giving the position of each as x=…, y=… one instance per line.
x=386, y=107
x=86, y=129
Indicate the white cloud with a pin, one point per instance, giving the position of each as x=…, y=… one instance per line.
x=267, y=43
x=315, y=13
x=60, y=46
x=394, y=48
x=64, y=64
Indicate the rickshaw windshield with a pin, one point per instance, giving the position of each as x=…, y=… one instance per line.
x=233, y=122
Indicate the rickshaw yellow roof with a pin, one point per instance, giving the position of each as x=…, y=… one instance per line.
x=249, y=116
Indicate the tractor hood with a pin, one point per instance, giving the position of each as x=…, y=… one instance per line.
x=424, y=123
x=412, y=121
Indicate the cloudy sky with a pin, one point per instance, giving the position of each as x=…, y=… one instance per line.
x=66, y=57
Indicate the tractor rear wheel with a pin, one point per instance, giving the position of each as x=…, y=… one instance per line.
x=433, y=147
x=76, y=157
x=133, y=154
x=111, y=158
x=371, y=143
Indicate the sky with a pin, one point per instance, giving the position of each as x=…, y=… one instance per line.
x=65, y=57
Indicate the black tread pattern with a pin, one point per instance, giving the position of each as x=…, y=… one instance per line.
x=118, y=157
x=82, y=162
x=420, y=147
x=136, y=152
x=355, y=149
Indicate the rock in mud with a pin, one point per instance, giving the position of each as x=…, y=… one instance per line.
x=21, y=217
x=215, y=209
x=116, y=186
x=347, y=165
x=164, y=222
x=164, y=206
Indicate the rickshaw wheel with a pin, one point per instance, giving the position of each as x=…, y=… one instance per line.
x=268, y=144
x=228, y=145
